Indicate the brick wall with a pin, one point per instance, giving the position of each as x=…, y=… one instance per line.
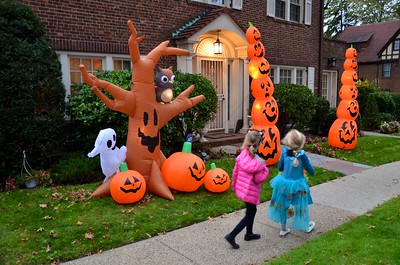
x=101, y=26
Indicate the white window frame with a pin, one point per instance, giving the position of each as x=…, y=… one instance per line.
x=386, y=70
x=276, y=71
x=235, y=4
x=305, y=11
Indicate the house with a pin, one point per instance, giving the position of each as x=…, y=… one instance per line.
x=378, y=47
x=95, y=33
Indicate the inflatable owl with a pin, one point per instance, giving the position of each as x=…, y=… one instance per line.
x=164, y=83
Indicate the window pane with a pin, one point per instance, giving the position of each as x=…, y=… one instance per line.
x=117, y=64
x=299, y=77
x=74, y=63
x=75, y=77
x=97, y=64
x=126, y=65
x=280, y=9
x=396, y=45
x=386, y=69
x=294, y=11
x=285, y=76
x=88, y=64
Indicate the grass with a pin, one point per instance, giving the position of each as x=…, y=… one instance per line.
x=48, y=225
x=372, y=238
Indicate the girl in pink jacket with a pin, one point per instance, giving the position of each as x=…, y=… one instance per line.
x=248, y=175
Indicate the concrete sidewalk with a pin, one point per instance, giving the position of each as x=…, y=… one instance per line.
x=335, y=203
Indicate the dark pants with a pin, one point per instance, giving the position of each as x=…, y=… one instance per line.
x=247, y=221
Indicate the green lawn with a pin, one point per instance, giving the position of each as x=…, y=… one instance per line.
x=47, y=225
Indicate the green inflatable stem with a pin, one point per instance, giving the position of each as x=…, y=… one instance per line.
x=213, y=166
x=250, y=25
x=123, y=167
x=187, y=147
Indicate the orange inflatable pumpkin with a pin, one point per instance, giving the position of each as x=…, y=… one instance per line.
x=343, y=134
x=270, y=147
x=265, y=111
x=255, y=50
x=348, y=92
x=216, y=179
x=349, y=77
x=184, y=171
x=348, y=109
x=127, y=186
x=351, y=53
x=259, y=68
x=253, y=35
x=262, y=87
x=350, y=64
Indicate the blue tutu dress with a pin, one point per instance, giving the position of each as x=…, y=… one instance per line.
x=291, y=193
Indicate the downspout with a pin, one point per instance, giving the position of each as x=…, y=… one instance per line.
x=321, y=38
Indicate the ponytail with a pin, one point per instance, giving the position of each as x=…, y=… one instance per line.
x=296, y=160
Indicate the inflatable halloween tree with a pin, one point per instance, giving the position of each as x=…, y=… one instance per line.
x=265, y=111
x=343, y=132
x=146, y=115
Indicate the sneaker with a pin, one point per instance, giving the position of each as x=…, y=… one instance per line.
x=310, y=227
x=231, y=241
x=284, y=232
x=252, y=237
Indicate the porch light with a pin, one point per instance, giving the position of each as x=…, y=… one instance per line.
x=332, y=62
x=218, y=45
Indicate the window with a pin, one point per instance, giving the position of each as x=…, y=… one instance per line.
x=91, y=65
x=299, y=77
x=280, y=9
x=235, y=4
x=285, y=76
x=396, y=45
x=272, y=74
x=291, y=10
x=386, y=69
x=121, y=64
x=295, y=10
x=324, y=90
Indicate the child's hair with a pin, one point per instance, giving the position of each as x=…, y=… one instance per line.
x=294, y=140
x=251, y=142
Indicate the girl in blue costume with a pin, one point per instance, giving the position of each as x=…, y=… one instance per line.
x=291, y=193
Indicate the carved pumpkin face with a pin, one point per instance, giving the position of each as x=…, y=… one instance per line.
x=255, y=50
x=343, y=134
x=253, y=35
x=351, y=53
x=262, y=88
x=350, y=64
x=349, y=77
x=184, y=171
x=265, y=111
x=348, y=109
x=348, y=92
x=270, y=148
x=150, y=124
x=216, y=179
x=258, y=68
x=127, y=187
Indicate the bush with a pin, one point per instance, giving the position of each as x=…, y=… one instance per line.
x=396, y=99
x=379, y=108
x=32, y=96
x=76, y=168
x=174, y=133
x=364, y=89
x=323, y=117
x=296, y=106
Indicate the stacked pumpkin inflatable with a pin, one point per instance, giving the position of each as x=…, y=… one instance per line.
x=264, y=112
x=343, y=132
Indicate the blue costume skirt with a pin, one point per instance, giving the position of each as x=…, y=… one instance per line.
x=289, y=202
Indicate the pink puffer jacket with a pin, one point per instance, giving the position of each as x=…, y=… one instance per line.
x=247, y=177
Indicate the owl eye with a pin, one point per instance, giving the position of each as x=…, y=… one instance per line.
x=164, y=79
x=173, y=78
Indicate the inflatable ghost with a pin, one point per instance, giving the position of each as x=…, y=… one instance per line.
x=110, y=155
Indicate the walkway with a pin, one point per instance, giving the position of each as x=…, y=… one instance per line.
x=204, y=243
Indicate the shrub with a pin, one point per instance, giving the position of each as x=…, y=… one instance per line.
x=323, y=117
x=32, y=96
x=76, y=168
x=364, y=89
x=380, y=107
x=174, y=133
x=296, y=106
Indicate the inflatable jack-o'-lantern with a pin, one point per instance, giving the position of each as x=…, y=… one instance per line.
x=258, y=68
x=262, y=87
x=127, y=186
x=351, y=53
x=184, y=171
x=253, y=35
x=255, y=50
x=348, y=92
x=348, y=109
x=350, y=64
x=270, y=148
x=265, y=111
x=343, y=134
x=349, y=77
x=216, y=179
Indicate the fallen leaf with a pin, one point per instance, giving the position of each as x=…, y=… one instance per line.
x=211, y=218
x=53, y=233
x=48, y=248
x=48, y=217
x=185, y=213
x=42, y=205
x=89, y=235
x=40, y=229
x=371, y=227
x=369, y=215
x=79, y=223
x=340, y=234
x=307, y=262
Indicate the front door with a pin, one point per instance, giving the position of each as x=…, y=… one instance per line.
x=213, y=71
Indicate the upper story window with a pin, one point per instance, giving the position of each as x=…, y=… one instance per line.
x=290, y=10
x=396, y=45
x=235, y=4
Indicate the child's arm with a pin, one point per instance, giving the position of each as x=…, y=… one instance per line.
x=261, y=176
x=307, y=165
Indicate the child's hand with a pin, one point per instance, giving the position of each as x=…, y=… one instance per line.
x=305, y=174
